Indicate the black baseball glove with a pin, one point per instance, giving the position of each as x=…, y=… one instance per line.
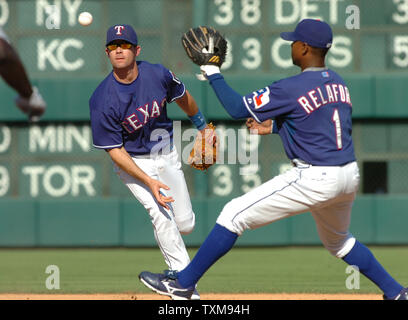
x=205, y=46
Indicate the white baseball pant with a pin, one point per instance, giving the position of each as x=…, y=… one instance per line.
x=327, y=192
x=168, y=225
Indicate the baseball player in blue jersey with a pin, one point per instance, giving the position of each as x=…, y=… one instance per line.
x=129, y=120
x=311, y=112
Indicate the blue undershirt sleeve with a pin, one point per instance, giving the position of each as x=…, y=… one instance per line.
x=231, y=100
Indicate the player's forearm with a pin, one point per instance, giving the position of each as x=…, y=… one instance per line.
x=230, y=99
x=124, y=161
x=12, y=70
x=188, y=104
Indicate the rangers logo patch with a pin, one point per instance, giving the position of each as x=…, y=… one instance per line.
x=119, y=30
x=261, y=97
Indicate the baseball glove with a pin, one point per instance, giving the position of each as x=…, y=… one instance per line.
x=204, y=152
x=205, y=46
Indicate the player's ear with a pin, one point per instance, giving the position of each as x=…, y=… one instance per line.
x=137, y=51
x=305, y=48
x=107, y=51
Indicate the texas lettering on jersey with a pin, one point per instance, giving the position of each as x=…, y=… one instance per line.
x=146, y=112
x=321, y=96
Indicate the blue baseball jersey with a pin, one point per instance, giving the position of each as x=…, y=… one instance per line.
x=134, y=115
x=312, y=115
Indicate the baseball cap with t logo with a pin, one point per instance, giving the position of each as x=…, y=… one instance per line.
x=121, y=32
x=315, y=33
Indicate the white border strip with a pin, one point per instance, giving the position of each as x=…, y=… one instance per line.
x=106, y=147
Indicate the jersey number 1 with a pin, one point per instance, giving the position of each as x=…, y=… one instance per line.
x=337, y=127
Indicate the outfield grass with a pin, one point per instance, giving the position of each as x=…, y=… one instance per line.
x=283, y=269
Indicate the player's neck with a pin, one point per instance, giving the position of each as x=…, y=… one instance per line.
x=126, y=75
x=312, y=63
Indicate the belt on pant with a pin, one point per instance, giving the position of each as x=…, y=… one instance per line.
x=299, y=163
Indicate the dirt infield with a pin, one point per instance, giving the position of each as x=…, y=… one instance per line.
x=205, y=296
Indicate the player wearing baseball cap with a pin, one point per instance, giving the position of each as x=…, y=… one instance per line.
x=122, y=32
x=315, y=33
x=311, y=112
x=129, y=120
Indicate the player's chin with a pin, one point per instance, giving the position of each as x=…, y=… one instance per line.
x=120, y=63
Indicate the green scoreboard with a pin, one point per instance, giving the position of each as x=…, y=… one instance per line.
x=369, y=35
x=67, y=61
x=55, y=159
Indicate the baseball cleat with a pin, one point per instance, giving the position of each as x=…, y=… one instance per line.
x=165, y=285
x=172, y=274
x=195, y=295
x=403, y=295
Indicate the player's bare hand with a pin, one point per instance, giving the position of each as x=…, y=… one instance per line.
x=259, y=128
x=34, y=106
x=161, y=198
x=249, y=123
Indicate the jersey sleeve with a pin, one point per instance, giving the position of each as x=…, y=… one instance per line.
x=175, y=88
x=106, y=131
x=269, y=102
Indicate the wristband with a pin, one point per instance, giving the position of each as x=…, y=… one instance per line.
x=209, y=70
x=198, y=120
